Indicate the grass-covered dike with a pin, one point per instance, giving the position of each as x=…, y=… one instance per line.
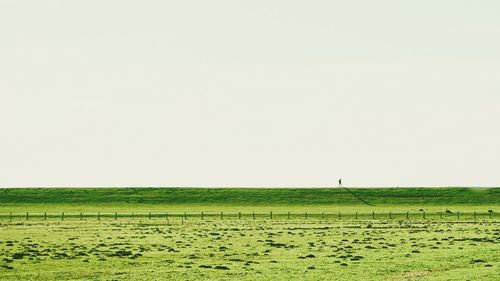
x=252, y=196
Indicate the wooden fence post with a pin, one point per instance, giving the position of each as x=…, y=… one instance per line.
x=201, y=215
x=81, y=216
x=356, y=217
x=407, y=215
x=306, y=215
x=10, y=216
x=423, y=214
x=271, y=215
x=62, y=216
x=373, y=215
x=98, y=216
x=45, y=216
x=458, y=214
x=185, y=216
x=221, y=215
x=340, y=216
x=474, y=214
x=253, y=214
x=27, y=215
x=390, y=215
x=116, y=215
x=149, y=215
x=239, y=215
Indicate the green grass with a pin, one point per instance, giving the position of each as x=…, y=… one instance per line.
x=251, y=196
x=247, y=199
x=321, y=247
x=248, y=250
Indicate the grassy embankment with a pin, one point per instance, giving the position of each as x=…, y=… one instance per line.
x=247, y=199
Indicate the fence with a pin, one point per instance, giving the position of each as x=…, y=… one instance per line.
x=457, y=215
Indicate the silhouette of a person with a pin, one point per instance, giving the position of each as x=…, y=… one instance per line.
x=340, y=182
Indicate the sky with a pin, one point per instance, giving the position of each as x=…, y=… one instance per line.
x=249, y=93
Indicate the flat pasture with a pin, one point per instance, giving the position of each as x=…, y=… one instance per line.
x=194, y=249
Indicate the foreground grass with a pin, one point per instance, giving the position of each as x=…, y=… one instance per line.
x=249, y=250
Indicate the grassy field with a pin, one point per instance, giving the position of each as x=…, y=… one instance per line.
x=436, y=245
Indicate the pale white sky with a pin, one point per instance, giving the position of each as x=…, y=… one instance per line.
x=249, y=93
